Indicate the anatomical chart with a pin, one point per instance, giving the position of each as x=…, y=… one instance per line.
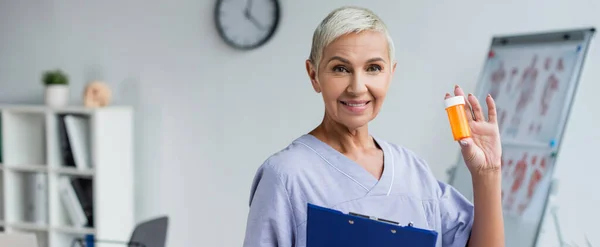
x=524, y=172
x=530, y=85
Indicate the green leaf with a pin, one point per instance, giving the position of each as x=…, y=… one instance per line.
x=55, y=77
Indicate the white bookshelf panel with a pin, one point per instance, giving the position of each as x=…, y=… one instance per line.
x=113, y=151
x=54, y=155
x=26, y=199
x=23, y=138
x=2, y=199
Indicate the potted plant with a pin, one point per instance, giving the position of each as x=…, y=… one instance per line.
x=57, y=88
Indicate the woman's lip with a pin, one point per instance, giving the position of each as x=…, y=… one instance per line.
x=355, y=102
x=354, y=107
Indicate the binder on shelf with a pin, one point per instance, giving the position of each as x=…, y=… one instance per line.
x=38, y=198
x=77, y=197
x=73, y=207
x=84, y=192
x=327, y=227
x=65, y=144
x=78, y=133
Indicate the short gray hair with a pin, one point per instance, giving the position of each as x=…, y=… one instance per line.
x=346, y=20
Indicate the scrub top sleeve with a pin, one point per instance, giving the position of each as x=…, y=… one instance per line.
x=270, y=220
x=457, y=217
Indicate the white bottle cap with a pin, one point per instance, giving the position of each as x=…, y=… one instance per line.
x=456, y=100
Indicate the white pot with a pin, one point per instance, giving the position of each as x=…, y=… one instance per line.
x=57, y=95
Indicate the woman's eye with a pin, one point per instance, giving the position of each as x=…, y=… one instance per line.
x=340, y=69
x=374, y=68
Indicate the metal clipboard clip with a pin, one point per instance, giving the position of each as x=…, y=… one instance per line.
x=379, y=219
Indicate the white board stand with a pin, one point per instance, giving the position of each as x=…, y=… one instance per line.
x=533, y=79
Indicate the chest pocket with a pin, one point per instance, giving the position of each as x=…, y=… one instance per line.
x=402, y=209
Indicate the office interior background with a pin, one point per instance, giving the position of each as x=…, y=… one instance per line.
x=206, y=115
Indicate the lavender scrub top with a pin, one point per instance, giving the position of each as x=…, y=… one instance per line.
x=310, y=171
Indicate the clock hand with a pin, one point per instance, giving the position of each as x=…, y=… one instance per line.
x=255, y=22
x=248, y=15
x=248, y=7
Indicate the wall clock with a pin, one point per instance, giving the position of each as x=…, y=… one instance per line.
x=247, y=24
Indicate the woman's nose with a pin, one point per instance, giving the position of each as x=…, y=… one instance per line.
x=357, y=85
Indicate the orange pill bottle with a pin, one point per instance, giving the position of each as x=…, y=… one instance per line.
x=455, y=107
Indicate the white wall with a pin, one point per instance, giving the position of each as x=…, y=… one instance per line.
x=207, y=116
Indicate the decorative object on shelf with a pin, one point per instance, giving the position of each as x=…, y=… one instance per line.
x=246, y=25
x=96, y=94
x=57, y=88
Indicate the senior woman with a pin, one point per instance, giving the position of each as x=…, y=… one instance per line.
x=340, y=165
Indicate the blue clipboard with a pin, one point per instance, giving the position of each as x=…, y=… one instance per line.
x=327, y=227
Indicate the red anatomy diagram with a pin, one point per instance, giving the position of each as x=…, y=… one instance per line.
x=547, y=63
x=521, y=190
x=527, y=89
x=496, y=79
x=560, y=65
x=509, y=86
x=550, y=89
x=523, y=171
x=513, y=74
x=518, y=176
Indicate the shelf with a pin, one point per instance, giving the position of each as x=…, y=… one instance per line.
x=25, y=168
x=42, y=109
x=2, y=199
x=27, y=226
x=69, y=171
x=74, y=230
x=23, y=109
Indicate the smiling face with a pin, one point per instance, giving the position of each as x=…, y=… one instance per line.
x=353, y=76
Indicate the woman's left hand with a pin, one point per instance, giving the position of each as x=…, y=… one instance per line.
x=483, y=151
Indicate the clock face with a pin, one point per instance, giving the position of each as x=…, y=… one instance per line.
x=247, y=24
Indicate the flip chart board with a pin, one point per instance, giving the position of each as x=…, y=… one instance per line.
x=533, y=79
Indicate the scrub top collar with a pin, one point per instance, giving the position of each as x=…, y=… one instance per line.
x=353, y=170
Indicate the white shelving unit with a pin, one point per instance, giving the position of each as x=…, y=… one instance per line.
x=31, y=147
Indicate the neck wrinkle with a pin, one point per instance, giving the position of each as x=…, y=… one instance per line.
x=343, y=139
